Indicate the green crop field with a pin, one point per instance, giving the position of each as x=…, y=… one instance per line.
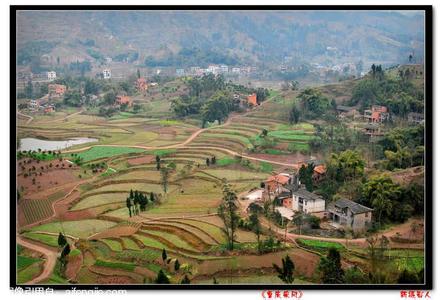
x=115, y=265
x=319, y=245
x=113, y=245
x=101, y=199
x=50, y=240
x=291, y=135
x=81, y=229
x=98, y=152
x=25, y=261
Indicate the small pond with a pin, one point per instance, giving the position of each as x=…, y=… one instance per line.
x=35, y=144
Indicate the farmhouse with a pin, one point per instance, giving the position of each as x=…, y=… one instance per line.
x=52, y=75
x=346, y=111
x=49, y=109
x=416, y=118
x=372, y=129
x=318, y=173
x=305, y=201
x=107, y=74
x=274, y=184
x=141, y=85
x=376, y=114
x=122, y=100
x=251, y=99
x=56, y=90
x=349, y=214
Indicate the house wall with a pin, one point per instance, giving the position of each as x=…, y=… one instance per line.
x=314, y=206
x=361, y=221
x=318, y=205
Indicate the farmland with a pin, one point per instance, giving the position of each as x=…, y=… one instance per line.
x=149, y=194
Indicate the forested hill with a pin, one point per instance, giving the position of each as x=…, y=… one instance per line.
x=237, y=37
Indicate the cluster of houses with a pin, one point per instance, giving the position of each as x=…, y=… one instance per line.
x=374, y=117
x=295, y=198
x=215, y=69
x=41, y=105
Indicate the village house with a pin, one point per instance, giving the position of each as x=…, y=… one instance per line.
x=107, y=74
x=349, y=214
x=318, y=173
x=372, y=129
x=124, y=100
x=346, y=111
x=180, y=72
x=49, y=109
x=141, y=85
x=274, y=185
x=416, y=118
x=56, y=90
x=377, y=114
x=52, y=75
x=303, y=200
x=251, y=99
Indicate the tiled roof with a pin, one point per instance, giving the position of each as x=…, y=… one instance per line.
x=356, y=208
x=303, y=193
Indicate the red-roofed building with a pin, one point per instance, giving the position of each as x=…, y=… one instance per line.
x=377, y=114
x=275, y=183
x=57, y=90
x=121, y=100
x=318, y=173
x=251, y=99
x=141, y=85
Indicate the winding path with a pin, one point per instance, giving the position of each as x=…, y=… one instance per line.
x=51, y=259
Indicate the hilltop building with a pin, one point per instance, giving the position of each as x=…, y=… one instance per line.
x=141, y=85
x=56, y=90
x=122, y=100
x=252, y=100
x=377, y=114
x=52, y=75
x=107, y=74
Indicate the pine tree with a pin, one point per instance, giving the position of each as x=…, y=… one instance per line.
x=185, y=280
x=164, y=255
x=286, y=273
x=330, y=267
x=162, y=278
x=61, y=240
x=177, y=265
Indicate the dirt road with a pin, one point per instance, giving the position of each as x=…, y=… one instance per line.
x=51, y=259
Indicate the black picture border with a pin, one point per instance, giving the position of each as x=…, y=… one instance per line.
x=428, y=285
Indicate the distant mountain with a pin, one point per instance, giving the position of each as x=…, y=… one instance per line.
x=184, y=38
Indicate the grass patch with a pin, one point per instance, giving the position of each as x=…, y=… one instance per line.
x=98, y=152
x=115, y=265
x=163, y=152
x=265, y=167
x=25, y=261
x=81, y=229
x=225, y=161
x=50, y=240
x=291, y=135
x=319, y=245
x=114, y=245
x=28, y=273
x=75, y=252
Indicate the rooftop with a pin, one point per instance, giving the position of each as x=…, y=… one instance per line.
x=356, y=208
x=302, y=192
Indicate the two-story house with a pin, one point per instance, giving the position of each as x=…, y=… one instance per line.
x=303, y=200
x=349, y=214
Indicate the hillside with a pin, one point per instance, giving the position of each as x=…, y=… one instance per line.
x=237, y=37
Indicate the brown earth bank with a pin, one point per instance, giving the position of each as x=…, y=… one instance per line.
x=116, y=232
x=73, y=266
x=305, y=262
x=282, y=158
x=145, y=159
